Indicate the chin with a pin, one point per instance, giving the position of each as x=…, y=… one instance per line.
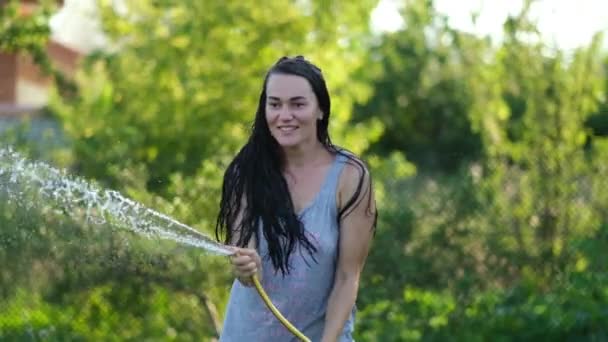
x=288, y=143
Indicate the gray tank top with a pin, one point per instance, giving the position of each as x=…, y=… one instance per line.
x=302, y=295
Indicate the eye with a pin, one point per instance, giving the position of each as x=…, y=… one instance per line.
x=300, y=105
x=273, y=105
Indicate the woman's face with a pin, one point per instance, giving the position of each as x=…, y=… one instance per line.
x=292, y=110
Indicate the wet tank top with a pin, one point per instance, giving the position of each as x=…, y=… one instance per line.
x=302, y=295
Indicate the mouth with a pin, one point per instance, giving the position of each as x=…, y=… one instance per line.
x=287, y=128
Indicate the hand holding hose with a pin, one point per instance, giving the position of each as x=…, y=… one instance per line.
x=247, y=266
x=246, y=263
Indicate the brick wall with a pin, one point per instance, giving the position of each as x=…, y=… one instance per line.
x=62, y=58
x=8, y=71
x=28, y=6
x=22, y=84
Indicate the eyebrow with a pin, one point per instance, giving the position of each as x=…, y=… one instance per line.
x=295, y=98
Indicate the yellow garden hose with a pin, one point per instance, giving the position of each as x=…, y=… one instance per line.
x=276, y=312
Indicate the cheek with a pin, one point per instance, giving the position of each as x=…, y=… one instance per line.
x=270, y=115
x=305, y=113
x=308, y=117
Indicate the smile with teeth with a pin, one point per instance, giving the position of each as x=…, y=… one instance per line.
x=287, y=128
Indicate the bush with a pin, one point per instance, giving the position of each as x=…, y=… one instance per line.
x=574, y=307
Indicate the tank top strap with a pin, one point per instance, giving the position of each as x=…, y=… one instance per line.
x=332, y=181
x=334, y=173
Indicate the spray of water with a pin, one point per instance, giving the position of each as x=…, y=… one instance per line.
x=78, y=198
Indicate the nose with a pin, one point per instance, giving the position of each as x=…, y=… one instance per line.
x=285, y=114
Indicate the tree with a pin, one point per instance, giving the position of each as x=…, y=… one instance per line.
x=420, y=92
x=536, y=172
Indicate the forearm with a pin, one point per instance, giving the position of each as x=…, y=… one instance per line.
x=341, y=301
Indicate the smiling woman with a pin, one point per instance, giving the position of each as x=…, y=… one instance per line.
x=291, y=110
x=300, y=213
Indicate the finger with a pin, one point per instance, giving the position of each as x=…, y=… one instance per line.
x=254, y=256
x=235, y=253
x=244, y=252
x=242, y=260
x=248, y=251
x=250, y=267
x=247, y=271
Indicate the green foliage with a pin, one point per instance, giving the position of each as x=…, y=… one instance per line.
x=420, y=91
x=536, y=166
x=157, y=117
x=24, y=34
x=598, y=122
x=109, y=313
x=174, y=95
x=91, y=281
x=488, y=164
x=498, y=234
x=29, y=35
x=572, y=308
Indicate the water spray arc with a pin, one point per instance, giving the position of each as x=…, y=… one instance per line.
x=79, y=198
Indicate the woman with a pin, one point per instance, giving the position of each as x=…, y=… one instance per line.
x=300, y=213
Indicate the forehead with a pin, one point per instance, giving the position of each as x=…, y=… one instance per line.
x=288, y=86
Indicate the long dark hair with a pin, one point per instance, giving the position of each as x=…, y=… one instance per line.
x=254, y=189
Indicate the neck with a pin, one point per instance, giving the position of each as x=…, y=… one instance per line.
x=304, y=155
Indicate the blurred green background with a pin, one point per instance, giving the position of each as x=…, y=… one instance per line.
x=489, y=160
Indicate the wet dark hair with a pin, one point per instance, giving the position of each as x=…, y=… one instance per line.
x=254, y=189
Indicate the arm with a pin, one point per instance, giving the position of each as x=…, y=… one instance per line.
x=356, y=232
x=246, y=261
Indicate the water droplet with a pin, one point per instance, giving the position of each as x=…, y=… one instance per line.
x=33, y=182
